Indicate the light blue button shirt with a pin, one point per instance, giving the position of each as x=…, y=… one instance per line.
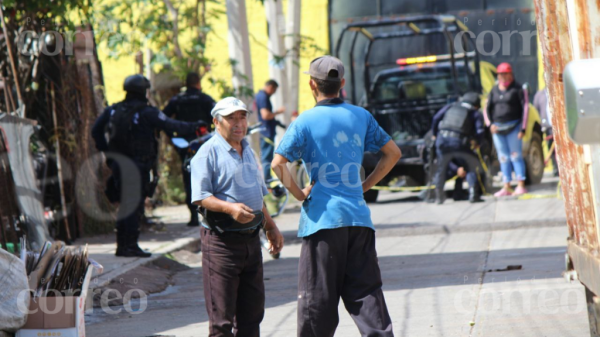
x=218, y=170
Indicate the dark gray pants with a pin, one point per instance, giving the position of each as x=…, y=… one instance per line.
x=336, y=263
x=234, y=289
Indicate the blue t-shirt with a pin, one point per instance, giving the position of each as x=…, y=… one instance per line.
x=263, y=101
x=331, y=139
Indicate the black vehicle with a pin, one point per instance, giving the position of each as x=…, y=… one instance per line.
x=404, y=91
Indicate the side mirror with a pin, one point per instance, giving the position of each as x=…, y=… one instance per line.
x=581, y=80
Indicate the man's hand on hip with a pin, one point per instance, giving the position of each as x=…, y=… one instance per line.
x=241, y=213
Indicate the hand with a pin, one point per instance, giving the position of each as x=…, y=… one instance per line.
x=275, y=239
x=461, y=172
x=280, y=110
x=521, y=134
x=494, y=128
x=306, y=191
x=241, y=213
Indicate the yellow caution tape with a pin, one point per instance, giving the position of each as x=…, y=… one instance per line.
x=407, y=189
x=529, y=196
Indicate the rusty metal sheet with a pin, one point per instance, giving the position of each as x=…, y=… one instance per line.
x=553, y=31
x=587, y=265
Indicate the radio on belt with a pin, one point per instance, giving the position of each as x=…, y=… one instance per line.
x=582, y=100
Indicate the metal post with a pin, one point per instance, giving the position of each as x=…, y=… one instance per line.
x=277, y=51
x=566, y=33
x=61, y=185
x=292, y=44
x=239, y=50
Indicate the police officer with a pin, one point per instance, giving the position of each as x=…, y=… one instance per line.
x=455, y=127
x=190, y=106
x=131, y=148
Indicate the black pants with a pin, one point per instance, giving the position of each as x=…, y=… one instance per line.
x=234, y=290
x=341, y=263
x=133, y=178
x=454, y=150
x=187, y=185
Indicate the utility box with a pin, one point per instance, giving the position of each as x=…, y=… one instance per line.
x=582, y=100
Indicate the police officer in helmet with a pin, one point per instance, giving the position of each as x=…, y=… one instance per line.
x=457, y=128
x=127, y=133
x=191, y=105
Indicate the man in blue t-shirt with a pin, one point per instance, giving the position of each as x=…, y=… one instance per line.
x=266, y=115
x=338, y=257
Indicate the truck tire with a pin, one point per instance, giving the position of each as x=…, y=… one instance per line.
x=534, y=161
x=371, y=196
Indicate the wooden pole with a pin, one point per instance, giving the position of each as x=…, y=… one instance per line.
x=13, y=64
x=61, y=186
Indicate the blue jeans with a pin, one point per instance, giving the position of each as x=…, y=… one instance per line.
x=266, y=157
x=510, y=154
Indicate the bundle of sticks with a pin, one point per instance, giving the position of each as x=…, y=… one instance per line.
x=57, y=270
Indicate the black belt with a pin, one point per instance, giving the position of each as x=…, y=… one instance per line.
x=224, y=223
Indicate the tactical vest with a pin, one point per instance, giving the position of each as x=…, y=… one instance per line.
x=120, y=128
x=507, y=105
x=457, y=119
x=191, y=108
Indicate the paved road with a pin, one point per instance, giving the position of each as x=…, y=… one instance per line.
x=444, y=270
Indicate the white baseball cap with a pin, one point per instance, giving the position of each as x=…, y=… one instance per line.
x=227, y=106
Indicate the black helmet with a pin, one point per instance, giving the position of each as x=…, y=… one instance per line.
x=471, y=98
x=136, y=83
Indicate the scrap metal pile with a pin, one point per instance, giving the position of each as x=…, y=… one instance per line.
x=57, y=270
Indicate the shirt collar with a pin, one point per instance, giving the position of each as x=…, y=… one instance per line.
x=330, y=101
x=192, y=90
x=228, y=146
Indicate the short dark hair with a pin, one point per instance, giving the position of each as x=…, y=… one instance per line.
x=328, y=88
x=272, y=83
x=192, y=79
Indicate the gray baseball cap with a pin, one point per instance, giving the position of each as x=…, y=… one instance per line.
x=321, y=67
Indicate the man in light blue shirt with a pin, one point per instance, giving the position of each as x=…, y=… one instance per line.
x=338, y=257
x=228, y=185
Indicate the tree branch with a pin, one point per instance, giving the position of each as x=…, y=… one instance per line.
x=175, y=17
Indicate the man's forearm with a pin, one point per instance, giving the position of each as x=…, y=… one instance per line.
x=285, y=176
x=385, y=165
x=391, y=155
x=269, y=223
x=216, y=205
x=267, y=114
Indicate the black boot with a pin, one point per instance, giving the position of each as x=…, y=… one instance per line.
x=129, y=246
x=440, y=196
x=133, y=246
x=474, y=195
x=194, y=221
x=121, y=244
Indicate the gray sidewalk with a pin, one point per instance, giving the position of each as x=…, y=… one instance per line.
x=394, y=214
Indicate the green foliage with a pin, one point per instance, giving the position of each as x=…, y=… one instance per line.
x=174, y=30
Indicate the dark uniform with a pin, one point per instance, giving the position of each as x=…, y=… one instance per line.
x=455, y=126
x=190, y=106
x=132, y=149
